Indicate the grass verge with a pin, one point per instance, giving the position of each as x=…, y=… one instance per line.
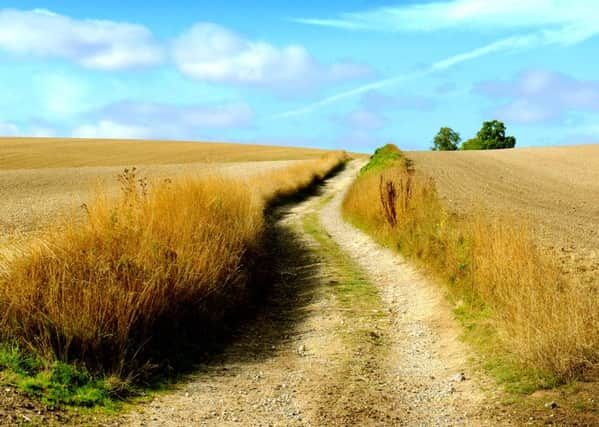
x=354, y=395
x=353, y=290
x=535, y=328
x=55, y=383
x=117, y=294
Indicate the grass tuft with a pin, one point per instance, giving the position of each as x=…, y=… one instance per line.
x=384, y=157
x=54, y=383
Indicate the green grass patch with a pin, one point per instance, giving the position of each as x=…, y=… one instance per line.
x=352, y=288
x=479, y=332
x=55, y=383
x=358, y=298
x=383, y=158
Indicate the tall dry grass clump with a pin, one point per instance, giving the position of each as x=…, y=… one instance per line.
x=548, y=322
x=115, y=288
x=285, y=183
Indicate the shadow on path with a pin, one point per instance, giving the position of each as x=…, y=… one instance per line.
x=284, y=283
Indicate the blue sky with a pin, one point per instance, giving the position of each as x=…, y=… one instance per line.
x=351, y=74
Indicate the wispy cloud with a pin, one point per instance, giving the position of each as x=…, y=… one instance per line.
x=162, y=121
x=510, y=43
x=572, y=19
x=539, y=95
x=441, y=65
x=8, y=129
x=466, y=15
x=349, y=94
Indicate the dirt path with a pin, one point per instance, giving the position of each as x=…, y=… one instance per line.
x=350, y=335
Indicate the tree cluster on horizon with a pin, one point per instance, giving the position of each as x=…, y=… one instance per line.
x=491, y=136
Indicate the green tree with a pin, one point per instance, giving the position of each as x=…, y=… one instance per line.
x=446, y=140
x=472, y=144
x=490, y=137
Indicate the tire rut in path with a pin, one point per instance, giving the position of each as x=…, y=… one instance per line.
x=428, y=364
x=334, y=344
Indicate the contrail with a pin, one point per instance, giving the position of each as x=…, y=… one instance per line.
x=510, y=43
x=348, y=94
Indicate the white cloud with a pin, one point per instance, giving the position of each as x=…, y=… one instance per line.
x=377, y=102
x=41, y=131
x=151, y=114
x=360, y=139
x=468, y=15
x=539, y=95
x=163, y=121
x=213, y=53
x=206, y=51
x=224, y=116
x=34, y=128
x=524, y=111
x=109, y=129
x=94, y=44
x=8, y=129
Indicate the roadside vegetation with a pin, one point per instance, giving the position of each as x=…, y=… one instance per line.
x=490, y=137
x=536, y=327
x=99, y=303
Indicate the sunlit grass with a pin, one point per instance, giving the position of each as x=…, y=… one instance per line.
x=113, y=290
x=538, y=319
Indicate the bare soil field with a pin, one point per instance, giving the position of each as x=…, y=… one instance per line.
x=34, y=153
x=42, y=177
x=31, y=198
x=555, y=190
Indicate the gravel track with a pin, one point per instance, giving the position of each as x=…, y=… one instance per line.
x=294, y=366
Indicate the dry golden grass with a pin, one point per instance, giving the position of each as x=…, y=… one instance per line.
x=42, y=177
x=33, y=153
x=164, y=257
x=551, y=188
x=548, y=322
x=33, y=198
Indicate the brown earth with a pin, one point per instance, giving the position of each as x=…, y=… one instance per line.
x=40, y=177
x=34, y=153
x=555, y=190
x=32, y=198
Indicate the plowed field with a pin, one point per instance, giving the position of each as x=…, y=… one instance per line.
x=555, y=190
